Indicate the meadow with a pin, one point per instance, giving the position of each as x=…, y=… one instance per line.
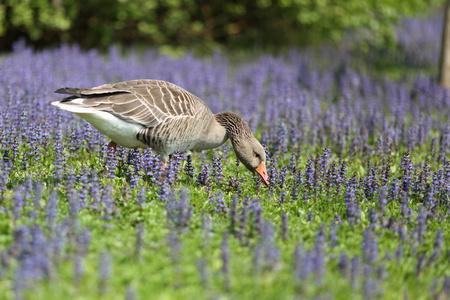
x=358, y=205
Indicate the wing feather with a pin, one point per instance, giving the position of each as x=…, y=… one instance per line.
x=146, y=102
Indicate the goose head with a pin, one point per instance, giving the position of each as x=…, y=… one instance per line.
x=252, y=155
x=247, y=148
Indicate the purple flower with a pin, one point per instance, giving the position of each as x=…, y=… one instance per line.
x=334, y=239
x=385, y=175
x=172, y=170
x=164, y=188
x=352, y=206
x=406, y=211
x=78, y=269
x=394, y=190
x=311, y=216
x=429, y=200
x=420, y=263
x=234, y=218
x=343, y=173
x=51, y=209
x=179, y=212
x=266, y=254
x=111, y=163
x=59, y=157
x=444, y=143
x=438, y=247
x=399, y=253
x=369, y=247
x=132, y=176
x=18, y=203
x=355, y=270
x=298, y=263
x=203, y=177
x=325, y=158
x=343, y=264
x=139, y=241
x=189, y=169
x=382, y=200
x=141, y=197
x=273, y=173
x=107, y=201
x=319, y=255
x=3, y=180
x=206, y=226
x=105, y=272
x=370, y=184
x=176, y=246
x=309, y=172
x=282, y=141
x=408, y=170
x=374, y=219
x=284, y=230
x=282, y=176
x=37, y=188
x=94, y=191
x=422, y=223
x=31, y=249
x=204, y=273
x=83, y=240
x=217, y=169
x=218, y=203
x=293, y=163
x=226, y=261
x=235, y=184
x=370, y=286
x=446, y=286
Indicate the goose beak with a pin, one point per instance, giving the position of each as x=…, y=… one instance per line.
x=261, y=170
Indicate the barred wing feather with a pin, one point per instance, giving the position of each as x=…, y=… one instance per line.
x=145, y=102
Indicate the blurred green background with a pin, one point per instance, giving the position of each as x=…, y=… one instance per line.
x=201, y=25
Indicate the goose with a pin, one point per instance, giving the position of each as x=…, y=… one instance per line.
x=163, y=116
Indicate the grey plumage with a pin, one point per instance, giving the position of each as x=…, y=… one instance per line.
x=160, y=115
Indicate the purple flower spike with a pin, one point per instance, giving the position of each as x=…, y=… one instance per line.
x=204, y=272
x=203, y=177
x=217, y=169
x=189, y=169
x=105, y=272
x=18, y=203
x=139, y=241
x=111, y=163
x=141, y=197
x=370, y=247
x=179, y=212
x=266, y=255
x=78, y=269
x=218, y=203
x=51, y=209
x=284, y=231
x=226, y=261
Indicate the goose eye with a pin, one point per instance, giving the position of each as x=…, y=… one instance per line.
x=256, y=155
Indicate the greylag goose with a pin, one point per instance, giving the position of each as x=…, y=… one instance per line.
x=163, y=116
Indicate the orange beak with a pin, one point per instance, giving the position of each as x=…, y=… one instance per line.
x=261, y=170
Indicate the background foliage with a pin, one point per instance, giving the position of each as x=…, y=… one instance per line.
x=203, y=24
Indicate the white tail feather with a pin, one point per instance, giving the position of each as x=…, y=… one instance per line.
x=74, y=108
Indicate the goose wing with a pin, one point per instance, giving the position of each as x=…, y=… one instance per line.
x=145, y=102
